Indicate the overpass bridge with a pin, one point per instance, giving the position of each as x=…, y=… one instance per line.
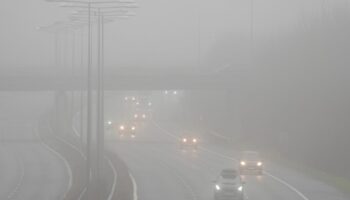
x=46, y=79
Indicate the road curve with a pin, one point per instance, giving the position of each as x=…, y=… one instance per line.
x=163, y=171
x=28, y=171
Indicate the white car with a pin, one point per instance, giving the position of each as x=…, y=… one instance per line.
x=229, y=185
x=250, y=162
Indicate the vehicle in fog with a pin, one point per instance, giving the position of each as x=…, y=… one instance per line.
x=127, y=130
x=250, y=163
x=143, y=103
x=189, y=142
x=229, y=185
x=141, y=116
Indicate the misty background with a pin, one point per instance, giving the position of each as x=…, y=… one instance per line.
x=293, y=96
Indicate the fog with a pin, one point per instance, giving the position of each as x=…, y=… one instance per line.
x=164, y=97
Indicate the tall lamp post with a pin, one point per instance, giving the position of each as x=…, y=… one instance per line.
x=99, y=10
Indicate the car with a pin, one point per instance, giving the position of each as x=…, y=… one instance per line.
x=140, y=116
x=127, y=130
x=189, y=142
x=229, y=185
x=143, y=102
x=250, y=162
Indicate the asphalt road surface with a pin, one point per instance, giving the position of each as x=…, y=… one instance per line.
x=163, y=171
x=28, y=170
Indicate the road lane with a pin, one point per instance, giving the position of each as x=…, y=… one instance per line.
x=163, y=171
x=43, y=176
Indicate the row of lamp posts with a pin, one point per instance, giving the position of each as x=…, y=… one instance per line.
x=86, y=13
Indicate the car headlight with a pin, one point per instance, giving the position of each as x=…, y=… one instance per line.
x=121, y=127
x=126, y=98
x=240, y=188
x=109, y=122
x=184, y=140
x=243, y=163
x=133, y=128
x=136, y=116
x=194, y=140
x=259, y=164
x=217, y=187
x=133, y=98
x=144, y=116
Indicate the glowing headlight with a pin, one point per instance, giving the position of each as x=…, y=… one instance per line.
x=133, y=98
x=194, y=140
x=137, y=103
x=259, y=164
x=126, y=98
x=136, y=116
x=184, y=140
x=217, y=187
x=166, y=91
x=144, y=116
x=240, y=188
x=175, y=92
x=121, y=127
x=133, y=128
x=243, y=163
x=109, y=122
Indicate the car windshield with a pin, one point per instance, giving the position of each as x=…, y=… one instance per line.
x=229, y=174
x=250, y=156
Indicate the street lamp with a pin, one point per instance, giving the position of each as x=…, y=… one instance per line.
x=96, y=8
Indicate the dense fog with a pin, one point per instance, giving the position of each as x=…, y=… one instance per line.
x=267, y=76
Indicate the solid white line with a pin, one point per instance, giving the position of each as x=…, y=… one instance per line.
x=134, y=186
x=281, y=181
x=76, y=149
x=216, y=134
x=69, y=170
x=287, y=185
x=20, y=180
x=110, y=196
x=68, y=143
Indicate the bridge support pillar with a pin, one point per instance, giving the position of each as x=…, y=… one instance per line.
x=63, y=121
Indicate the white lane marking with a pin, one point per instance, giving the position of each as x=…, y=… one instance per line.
x=179, y=177
x=287, y=185
x=20, y=180
x=77, y=150
x=216, y=134
x=76, y=132
x=110, y=196
x=165, y=131
x=281, y=181
x=68, y=143
x=134, y=186
x=69, y=170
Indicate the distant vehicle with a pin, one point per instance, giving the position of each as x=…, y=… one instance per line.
x=130, y=99
x=189, y=142
x=229, y=185
x=127, y=130
x=250, y=162
x=141, y=116
x=108, y=125
x=143, y=102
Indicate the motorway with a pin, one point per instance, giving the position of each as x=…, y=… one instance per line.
x=28, y=170
x=162, y=171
